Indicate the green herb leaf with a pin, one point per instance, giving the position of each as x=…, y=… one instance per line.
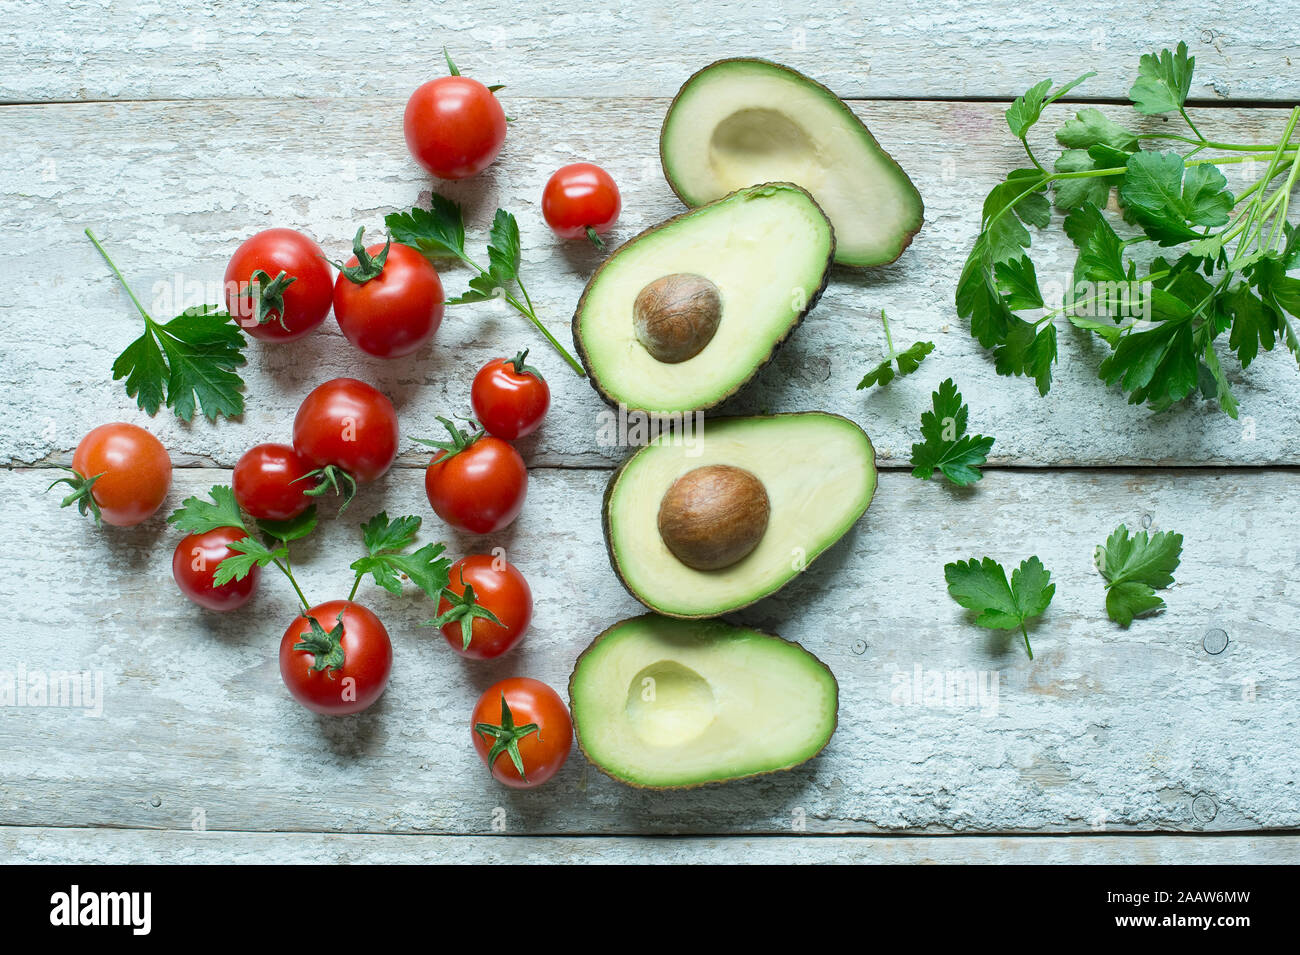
x=947, y=447
x=251, y=553
x=1134, y=568
x=1163, y=82
x=384, y=561
x=982, y=586
x=197, y=516
x=1164, y=199
x=438, y=231
x=1091, y=127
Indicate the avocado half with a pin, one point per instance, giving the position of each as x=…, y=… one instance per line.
x=819, y=473
x=742, y=121
x=767, y=251
x=671, y=704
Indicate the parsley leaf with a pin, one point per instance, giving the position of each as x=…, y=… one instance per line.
x=1163, y=82
x=947, y=447
x=908, y=360
x=1166, y=199
x=197, y=516
x=1134, y=568
x=385, y=542
x=251, y=553
x=438, y=231
x=1091, y=127
x=982, y=586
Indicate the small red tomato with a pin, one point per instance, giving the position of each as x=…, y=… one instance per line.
x=483, y=585
x=294, y=285
x=194, y=564
x=269, y=482
x=347, y=424
x=388, y=299
x=581, y=199
x=522, y=731
x=454, y=126
x=476, y=483
x=510, y=398
x=341, y=668
x=121, y=473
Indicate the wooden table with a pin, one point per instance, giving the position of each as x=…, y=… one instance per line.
x=176, y=130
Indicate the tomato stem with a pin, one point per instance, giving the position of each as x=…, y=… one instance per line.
x=91, y=236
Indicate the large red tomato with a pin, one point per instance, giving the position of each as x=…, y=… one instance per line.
x=498, y=589
x=454, y=126
x=509, y=397
x=271, y=482
x=121, y=473
x=581, y=199
x=292, y=304
x=341, y=668
x=394, y=312
x=194, y=564
x=347, y=424
x=476, y=483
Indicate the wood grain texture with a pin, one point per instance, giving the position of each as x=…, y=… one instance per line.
x=1122, y=730
x=172, y=188
x=42, y=846
x=96, y=49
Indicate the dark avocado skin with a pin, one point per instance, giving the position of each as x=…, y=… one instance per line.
x=618, y=472
x=813, y=299
x=577, y=733
x=663, y=163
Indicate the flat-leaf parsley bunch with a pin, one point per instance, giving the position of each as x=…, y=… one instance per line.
x=1205, y=261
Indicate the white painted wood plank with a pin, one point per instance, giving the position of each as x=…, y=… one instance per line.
x=1126, y=730
x=173, y=188
x=96, y=49
x=41, y=846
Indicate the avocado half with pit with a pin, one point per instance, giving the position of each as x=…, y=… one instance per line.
x=700, y=527
x=742, y=121
x=668, y=704
x=682, y=315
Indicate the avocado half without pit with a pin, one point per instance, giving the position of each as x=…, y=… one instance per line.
x=700, y=528
x=743, y=121
x=682, y=315
x=665, y=704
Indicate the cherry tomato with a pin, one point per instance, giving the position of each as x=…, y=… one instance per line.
x=269, y=482
x=510, y=398
x=476, y=484
x=347, y=424
x=493, y=585
x=194, y=564
x=454, y=126
x=287, y=311
x=336, y=688
x=121, y=473
x=522, y=718
x=396, y=311
x=581, y=199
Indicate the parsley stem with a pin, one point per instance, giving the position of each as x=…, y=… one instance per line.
x=889, y=339
x=91, y=236
x=1191, y=125
x=355, y=584
x=1028, y=648
x=285, y=568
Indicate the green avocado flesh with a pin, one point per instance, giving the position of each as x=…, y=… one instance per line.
x=664, y=703
x=767, y=250
x=738, y=122
x=819, y=473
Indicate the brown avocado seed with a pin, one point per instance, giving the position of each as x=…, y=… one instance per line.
x=676, y=316
x=713, y=516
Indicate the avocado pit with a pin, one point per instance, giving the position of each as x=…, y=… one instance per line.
x=713, y=516
x=676, y=315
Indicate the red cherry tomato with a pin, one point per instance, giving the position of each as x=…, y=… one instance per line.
x=510, y=398
x=581, y=199
x=498, y=588
x=454, y=126
x=395, y=312
x=269, y=482
x=131, y=473
x=478, y=485
x=524, y=718
x=288, y=311
x=347, y=424
x=367, y=659
x=194, y=564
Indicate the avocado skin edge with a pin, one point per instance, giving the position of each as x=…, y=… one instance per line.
x=618, y=472
x=907, y=237
x=813, y=299
x=577, y=734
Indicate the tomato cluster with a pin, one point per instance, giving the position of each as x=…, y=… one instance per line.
x=336, y=657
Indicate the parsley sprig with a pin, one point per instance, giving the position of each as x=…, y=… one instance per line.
x=1134, y=568
x=386, y=559
x=981, y=586
x=1202, y=262
x=186, y=363
x=439, y=231
x=908, y=360
x=947, y=448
